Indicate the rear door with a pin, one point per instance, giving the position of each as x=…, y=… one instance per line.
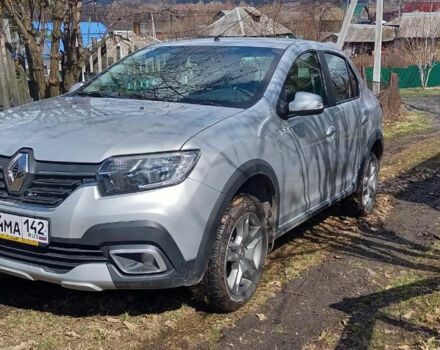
x=344, y=87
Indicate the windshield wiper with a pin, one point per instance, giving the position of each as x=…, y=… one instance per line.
x=201, y=102
x=93, y=94
x=138, y=96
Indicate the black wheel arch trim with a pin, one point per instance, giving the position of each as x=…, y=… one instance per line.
x=183, y=273
x=375, y=136
x=238, y=179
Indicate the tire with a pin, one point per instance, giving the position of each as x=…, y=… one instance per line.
x=365, y=196
x=236, y=261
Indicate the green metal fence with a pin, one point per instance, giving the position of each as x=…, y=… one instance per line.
x=409, y=77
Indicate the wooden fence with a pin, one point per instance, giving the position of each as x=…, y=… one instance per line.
x=14, y=89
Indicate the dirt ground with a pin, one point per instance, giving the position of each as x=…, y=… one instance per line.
x=336, y=282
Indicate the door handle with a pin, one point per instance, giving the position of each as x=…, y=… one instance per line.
x=365, y=119
x=331, y=131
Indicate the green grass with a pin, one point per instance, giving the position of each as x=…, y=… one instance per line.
x=411, y=123
x=419, y=92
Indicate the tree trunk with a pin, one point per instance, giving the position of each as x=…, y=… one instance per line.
x=23, y=20
x=428, y=75
x=9, y=66
x=4, y=94
x=75, y=56
x=422, y=77
x=54, y=79
x=37, y=70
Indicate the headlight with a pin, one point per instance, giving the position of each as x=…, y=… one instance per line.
x=139, y=173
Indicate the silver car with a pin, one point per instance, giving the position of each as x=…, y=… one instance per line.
x=182, y=164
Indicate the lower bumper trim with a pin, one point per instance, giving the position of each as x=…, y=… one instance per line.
x=87, y=277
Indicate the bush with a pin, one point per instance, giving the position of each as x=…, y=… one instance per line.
x=390, y=100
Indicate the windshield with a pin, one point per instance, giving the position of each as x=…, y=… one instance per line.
x=224, y=76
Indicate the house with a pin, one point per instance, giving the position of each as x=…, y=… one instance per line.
x=157, y=25
x=329, y=17
x=117, y=44
x=361, y=14
x=90, y=32
x=244, y=22
x=361, y=38
x=418, y=25
x=423, y=6
x=121, y=43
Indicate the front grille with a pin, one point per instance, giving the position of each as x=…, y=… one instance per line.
x=56, y=257
x=48, y=184
x=47, y=190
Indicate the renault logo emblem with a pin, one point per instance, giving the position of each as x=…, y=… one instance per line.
x=17, y=171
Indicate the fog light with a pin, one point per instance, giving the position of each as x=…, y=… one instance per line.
x=139, y=261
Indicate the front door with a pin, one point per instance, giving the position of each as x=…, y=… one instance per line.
x=307, y=144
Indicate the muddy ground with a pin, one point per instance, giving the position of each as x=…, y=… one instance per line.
x=343, y=289
x=337, y=281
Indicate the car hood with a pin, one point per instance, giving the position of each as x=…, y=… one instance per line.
x=89, y=130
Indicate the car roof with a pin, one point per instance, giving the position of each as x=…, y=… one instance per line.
x=276, y=43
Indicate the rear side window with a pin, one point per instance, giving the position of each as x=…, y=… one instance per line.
x=353, y=83
x=304, y=75
x=345, y=85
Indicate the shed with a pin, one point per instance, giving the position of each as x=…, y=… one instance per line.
x=360, y=38
x=366, y=33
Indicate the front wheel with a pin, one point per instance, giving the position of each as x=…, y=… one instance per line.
x=365, y=197
x=237, y=258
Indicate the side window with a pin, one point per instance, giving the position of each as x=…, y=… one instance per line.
x=304, y=75
x=340, y=77
x=354, y=84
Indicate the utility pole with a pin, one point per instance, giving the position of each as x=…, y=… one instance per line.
x=153, y=27
x=400, y=7
x=378, y=48
x=346, y=24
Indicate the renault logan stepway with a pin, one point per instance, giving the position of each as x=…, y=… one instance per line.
x=181, y=164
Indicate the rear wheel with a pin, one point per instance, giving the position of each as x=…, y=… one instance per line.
x=237, y=258
x=365, y=197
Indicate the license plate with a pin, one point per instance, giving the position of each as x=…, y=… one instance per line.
x=24, y=229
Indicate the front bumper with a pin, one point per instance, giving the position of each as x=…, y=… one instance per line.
x=85, y=228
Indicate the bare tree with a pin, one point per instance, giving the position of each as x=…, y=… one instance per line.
x=31, y=18
x=420, y=44
x=33, y=37
x=318, y=13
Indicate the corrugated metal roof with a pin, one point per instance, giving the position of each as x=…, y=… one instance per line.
x=419, y=25
x=366, y=33
x=244, y=21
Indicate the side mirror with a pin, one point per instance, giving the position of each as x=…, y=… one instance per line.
x=75, y=87
x=306, y=103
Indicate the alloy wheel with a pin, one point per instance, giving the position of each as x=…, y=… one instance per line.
x=369, y=183
x=244, y=255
